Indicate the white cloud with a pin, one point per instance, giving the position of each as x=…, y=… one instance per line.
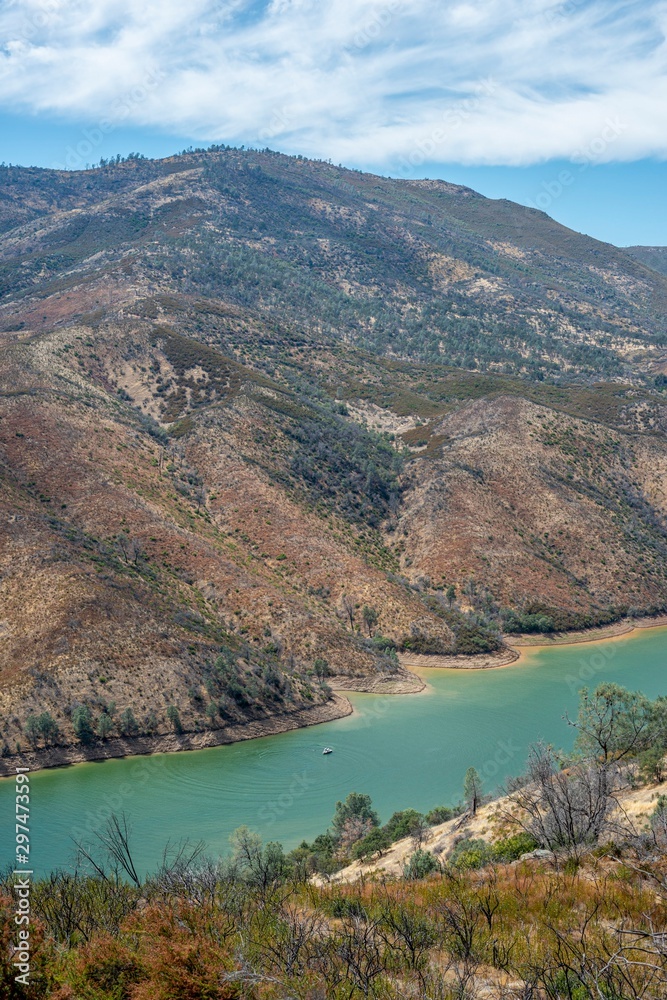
x=387, y=81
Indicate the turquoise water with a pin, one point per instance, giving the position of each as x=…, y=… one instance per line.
x=404, y=750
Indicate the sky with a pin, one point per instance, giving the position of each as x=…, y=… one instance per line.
x=561, y=104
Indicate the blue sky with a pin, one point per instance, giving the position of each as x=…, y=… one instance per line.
x=557, y=103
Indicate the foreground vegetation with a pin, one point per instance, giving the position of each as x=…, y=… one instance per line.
x=583, y=917
x=250, y=930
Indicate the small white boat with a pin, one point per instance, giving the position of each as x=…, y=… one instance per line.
x=327, y=750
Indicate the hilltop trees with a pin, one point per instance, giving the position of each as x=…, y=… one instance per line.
x=353, y=820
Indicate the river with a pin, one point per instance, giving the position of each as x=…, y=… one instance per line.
x=404, y=750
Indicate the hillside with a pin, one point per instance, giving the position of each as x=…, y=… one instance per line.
x=655, y=257
x=493, y=822
x=258, y=414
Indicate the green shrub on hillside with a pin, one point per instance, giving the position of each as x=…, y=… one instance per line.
x=420, y=864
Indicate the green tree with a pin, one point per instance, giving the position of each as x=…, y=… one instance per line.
x=450, y=594
x=82, y=723
x=128, y=724
x=261, y=866
x=321, y=668
x=403, y=824
x=470, y=854
x=441, y=814
x=151, y=723
x=472, y=789
x=48, y=727
x=511, y=848
x=652, y=764
x=42, y=726
x=174, y=718
x=104, y=726
x=374, y=844
x=32, y=729
x=613, y=723
x=370, y=617
x=355, y=807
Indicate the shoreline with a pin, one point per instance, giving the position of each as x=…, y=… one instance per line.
x=481, y=661
x=623, y=629
x=338, y=706
x=517, y=648
x=405, y=683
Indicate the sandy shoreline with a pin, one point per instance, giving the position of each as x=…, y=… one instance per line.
x=518, y=647
x=405, y=683
x=624, y=630
x=482, y=661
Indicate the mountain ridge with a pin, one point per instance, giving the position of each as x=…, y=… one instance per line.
x=266, y=421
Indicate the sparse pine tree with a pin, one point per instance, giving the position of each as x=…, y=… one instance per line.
x=32, y=729
x=82, y=722
x=48, y=727
x=151, y=722
x=370, y=617
x=128, y=724
x=175, y=719
x=104, y=726
x=321, y=668
x=472, y=789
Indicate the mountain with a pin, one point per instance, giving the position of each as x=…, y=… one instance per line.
x=655, y=257
x=265, y=420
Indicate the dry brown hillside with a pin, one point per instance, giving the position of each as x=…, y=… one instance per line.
x=264, y=422
x=536, y=505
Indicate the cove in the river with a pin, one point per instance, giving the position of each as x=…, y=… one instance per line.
x=404, y=750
